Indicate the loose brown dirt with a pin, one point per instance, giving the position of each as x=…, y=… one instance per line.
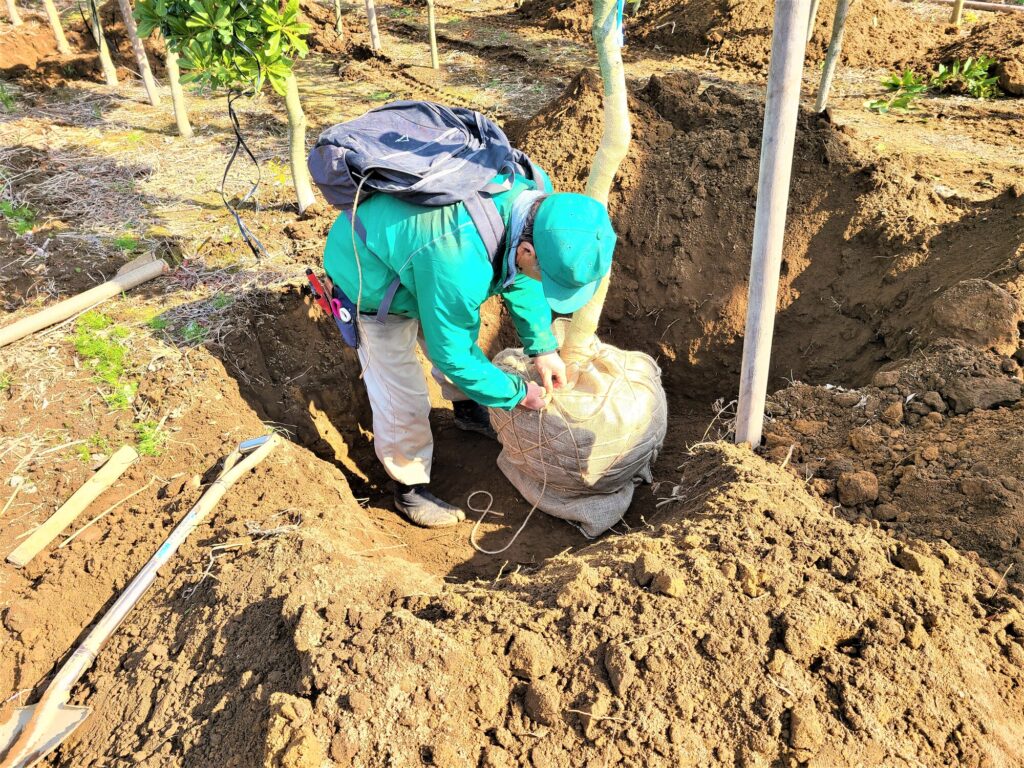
x=1002, y=40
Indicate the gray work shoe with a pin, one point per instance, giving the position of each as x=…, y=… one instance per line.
x=473, y=417
x=424, y=508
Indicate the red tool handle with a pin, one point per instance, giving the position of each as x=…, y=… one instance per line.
x=318, y=291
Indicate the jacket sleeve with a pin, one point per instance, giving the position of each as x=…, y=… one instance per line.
x=531, y=315
x=451, y=324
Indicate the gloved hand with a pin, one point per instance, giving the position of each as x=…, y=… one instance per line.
x=551, y=370
x=536, y=397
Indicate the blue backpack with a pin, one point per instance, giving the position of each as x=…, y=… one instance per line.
x=424, y=153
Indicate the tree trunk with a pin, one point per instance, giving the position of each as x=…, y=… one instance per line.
x=812, y=18
x=613, y=148
x=56, y=26
x=835, y=45
x=177, y=95
x=958, y=9
x=338, y=26
x=141, y=59
x=297, y=145
x=106, y=63
x=371, y=17
x=12, y=12
x=432, y=27
x=789, y=36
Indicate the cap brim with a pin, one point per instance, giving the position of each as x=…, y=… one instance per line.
x=565, y=300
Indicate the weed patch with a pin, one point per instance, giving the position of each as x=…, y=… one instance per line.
x=101, y=345
x=972, y=77
x=20, y=218
x=149, y=438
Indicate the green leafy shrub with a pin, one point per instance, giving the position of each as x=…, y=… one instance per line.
x=223, y=42
x=101, y=346
x=20, y=218
x=973, y=77
x=149, y=438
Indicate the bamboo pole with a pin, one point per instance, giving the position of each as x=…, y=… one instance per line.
x=106, y=63
x=81, y=302
x=610, y=153
x=12, y=12
x=297, y=145
x=141, y=59
x=55, y=24
x=958, y=10
x=780, y=116
x=371, y=17
x=104, y=477
x=835, y=45
x=43, y=733
x=432, y=28
x=177, y=94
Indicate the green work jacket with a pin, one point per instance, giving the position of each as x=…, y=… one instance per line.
x=446, y=276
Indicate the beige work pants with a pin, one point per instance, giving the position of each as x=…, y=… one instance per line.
x=398, y=396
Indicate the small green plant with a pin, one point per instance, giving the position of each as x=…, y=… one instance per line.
x=6, y=381
x=149, y=438
x=222, y=301
x=83, y=453
x=380, y=95
x=970, y=17
x=20, y=218
x=399, y=13
x=101, y=345
x=98, y=443
x=126, y=242
x=277, y=171
x=905, y=88
x=194, y=332
x=157, y=323
x=6, y=97
x=972, y=76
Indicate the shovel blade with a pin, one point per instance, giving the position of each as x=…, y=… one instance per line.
x=61, y=723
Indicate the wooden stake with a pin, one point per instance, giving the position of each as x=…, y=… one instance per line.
x=141, y=59
x=104, y=477
x=780, y=115
x=958, y=10
x=371, y=17
x=835, y=45
x=432, y=28
x=74, y=305
x=610, y=154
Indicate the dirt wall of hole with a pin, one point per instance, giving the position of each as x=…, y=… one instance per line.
x=869, y=247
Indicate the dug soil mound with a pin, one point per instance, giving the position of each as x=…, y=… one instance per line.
x=23, y=46
x=1002, y=40
x=47, y=68
x=879, y=33
x=749, y=625
x=932, y=449
x=872, y=248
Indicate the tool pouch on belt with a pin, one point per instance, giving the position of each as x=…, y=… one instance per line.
x=344, y=312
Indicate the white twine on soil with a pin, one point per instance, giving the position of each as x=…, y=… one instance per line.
x=490, y=501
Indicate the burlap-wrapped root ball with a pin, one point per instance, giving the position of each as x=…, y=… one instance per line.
x=581, y=457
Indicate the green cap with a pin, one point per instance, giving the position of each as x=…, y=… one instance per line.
x=574, y=240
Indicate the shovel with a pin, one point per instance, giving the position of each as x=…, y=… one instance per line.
x=31, y=733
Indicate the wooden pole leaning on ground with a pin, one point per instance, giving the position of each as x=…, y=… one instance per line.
x=104, y=477
x=835, y=45
x=958, y=10
x=780, y=115
x=432, y=31
x=81, y=302
x=610, y=154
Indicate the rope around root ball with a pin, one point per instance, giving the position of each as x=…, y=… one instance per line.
x=490, y=502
